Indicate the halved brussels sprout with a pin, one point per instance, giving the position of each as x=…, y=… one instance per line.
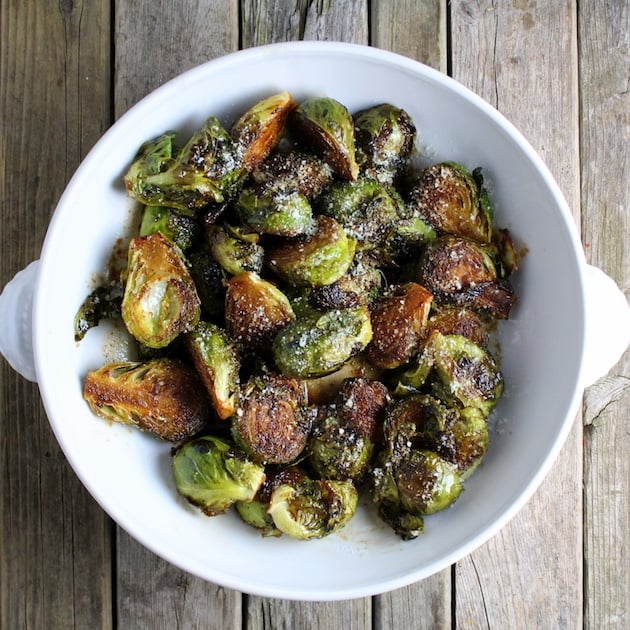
x=295, y=170
x=213, y=475
x=321, y=343
x=315, y=260
x=233, y=254
x=427, y=483
x=359, y=286
x=272, y=209
x=461, y=272
x=454, y=201
x=255, y=513
x=467, y=374
x=258, y=130
x=178, y=228
x=313, y=508
x=160, y=299
x=365, y=208
x=398, y=322
x=216, y=358
x=326, y=126
x=385, y=136
x=336, y=448
x=205, y=171
x=255, y=311
x=162, y=396
x=271, y=423
x=459, y=320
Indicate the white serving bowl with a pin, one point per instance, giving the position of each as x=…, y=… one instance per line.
x=544, y=344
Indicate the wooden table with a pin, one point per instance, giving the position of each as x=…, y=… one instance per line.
x=558, y=70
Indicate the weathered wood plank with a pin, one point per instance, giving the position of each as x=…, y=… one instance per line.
x=320, y=20
x=522, y=58
x=605, y=137
x=416, y=30
x=55, y=545
x=154, y=42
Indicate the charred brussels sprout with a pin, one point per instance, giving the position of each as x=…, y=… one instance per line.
x=321, y=343
x=160, y=299
x=337, y=449
x=178, y=228
x=326, y=126
x=385, y=136
x=209, y=279
x=398, y=322
x=205, y=171
x=276, y=210
x=213, y=475
x=216, y=359
x=304, y=173
x=271, y=423
x=454, y=201
x=102, y=303
x=255, y=512
x=365, y=208
x=467, y=374
x=461, y=272
x=359, y=286
x=459, y=321
x=255, y=310
x=258, y=130
x=315, y=260
x=234, y=254
x=162, y=396
x=313, y=508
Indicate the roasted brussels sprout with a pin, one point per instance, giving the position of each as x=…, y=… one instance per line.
x=365, y=208
x=162, y=396
x=255, y=512
x=213, y=475
x=302, y=172
x=362, y=403
x=258, y=130
x=467, y=374
x=103, y=303
x=459, y=320
x=323, y=390
x=336, y=448
x=272, y=209
x=160, y=299
x=326, y=126
x=217, y=361
x=359, y=286
x=205, y=171
x=178, y=228
x=385, y=136
x=313, y=508
x=271, y=423
x=321, y=343
x=233, y=254
x=315, y=260
x=454, y=201
x=460, y=272
x=398, y=322
x=255, y=311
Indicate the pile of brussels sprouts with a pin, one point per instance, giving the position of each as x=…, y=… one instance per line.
x=312, y=316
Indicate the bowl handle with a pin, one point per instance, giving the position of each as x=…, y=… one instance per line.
x=16, y=331
x=607, y=325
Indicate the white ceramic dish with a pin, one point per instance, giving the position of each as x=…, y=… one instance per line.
x=543, y=345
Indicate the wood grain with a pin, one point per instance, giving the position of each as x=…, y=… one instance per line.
x=604, y=138
x=526, y=51
x=55, y=543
